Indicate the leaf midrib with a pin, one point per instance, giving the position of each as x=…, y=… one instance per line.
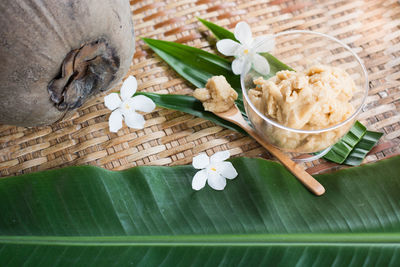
x=342, y=239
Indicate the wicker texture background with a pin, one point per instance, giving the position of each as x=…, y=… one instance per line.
x=370, y=27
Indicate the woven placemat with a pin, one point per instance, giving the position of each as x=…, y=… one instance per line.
x=370, y=27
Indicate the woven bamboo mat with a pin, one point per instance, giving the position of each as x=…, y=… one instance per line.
x=370, y=27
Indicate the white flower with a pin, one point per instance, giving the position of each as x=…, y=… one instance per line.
x=126, y=108
x=248, y=48
x=215, y=170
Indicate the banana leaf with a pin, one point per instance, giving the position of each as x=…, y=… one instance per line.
x=150, y=216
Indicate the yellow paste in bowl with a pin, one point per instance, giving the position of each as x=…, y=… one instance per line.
x=315, y=99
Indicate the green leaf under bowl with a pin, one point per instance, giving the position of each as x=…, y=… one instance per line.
x=150, y=216
x=354, y=146
x=345, y=145
x=355, y=134
x=362, y=148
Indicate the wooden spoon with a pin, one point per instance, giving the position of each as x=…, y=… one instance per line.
x=235, y=116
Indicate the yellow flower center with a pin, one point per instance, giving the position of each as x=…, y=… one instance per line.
x=246, y=51
x=127, y=106
x=214, y=169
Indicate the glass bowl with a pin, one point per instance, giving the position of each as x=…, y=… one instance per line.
x=300, y=50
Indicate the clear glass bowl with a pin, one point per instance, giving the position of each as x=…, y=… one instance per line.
x=301, y=50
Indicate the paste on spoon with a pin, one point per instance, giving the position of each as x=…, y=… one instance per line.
x=218, y=96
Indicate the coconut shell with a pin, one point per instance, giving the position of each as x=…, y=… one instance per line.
x=56, y=54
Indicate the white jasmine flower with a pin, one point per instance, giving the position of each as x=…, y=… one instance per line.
x=215, y=170
x=248, y=48
x=126, y=106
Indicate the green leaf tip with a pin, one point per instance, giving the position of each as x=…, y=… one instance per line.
x=218, y=31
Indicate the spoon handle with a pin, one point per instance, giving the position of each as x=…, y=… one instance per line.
x=304, y=177
x=233, y=115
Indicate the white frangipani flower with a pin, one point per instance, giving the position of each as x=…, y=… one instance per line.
x=126, y=106
x=248, y=48
x=215, y=170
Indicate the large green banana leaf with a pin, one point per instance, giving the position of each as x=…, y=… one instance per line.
x=150, y=216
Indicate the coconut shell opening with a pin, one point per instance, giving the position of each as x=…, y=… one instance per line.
x=84, y=72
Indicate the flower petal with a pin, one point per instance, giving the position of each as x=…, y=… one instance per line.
x=264, y=43
x=261, y=64
x=226, y=169
x=115, y=121
x=128, y=88
x=228, y=47
x=199, y=180
x=216, y=181
x=243, y=33
x=247, y=67
x=201, y=161
x=220, y=156
x=141, y=103
x=112, y=101
x=238, y=66
x=134, y=120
